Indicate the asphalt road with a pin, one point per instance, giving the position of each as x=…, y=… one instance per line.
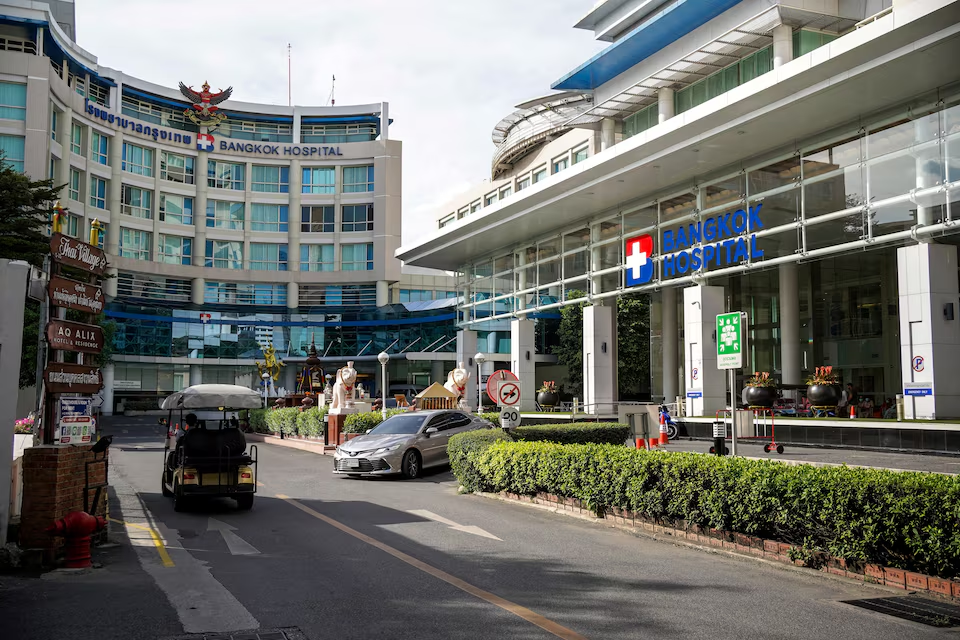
x=353, y=558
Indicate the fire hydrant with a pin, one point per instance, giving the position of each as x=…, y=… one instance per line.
x=76, y=527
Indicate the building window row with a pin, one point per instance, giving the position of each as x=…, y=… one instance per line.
x=322, y=218
x=333, y=133
x=320, y=257
x=13, y=101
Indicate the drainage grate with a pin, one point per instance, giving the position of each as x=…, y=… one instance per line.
x=283, y=633
x=913, y=608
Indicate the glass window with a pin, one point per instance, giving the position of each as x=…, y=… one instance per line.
x=317, y=219
x=561, y=163
x=539, y=174
x=415, y=295
x=137, y=160
x=54, y=121
x=98, y=192
x=356, y=257
x=225, y=215
x=489, y=199
x=268, y=217
x=136, y=202
x=98, y=147
x=579, y=155
x=357, y=179
x=134, y=244
x=523, y=184
x=74, y=192
x=450, y=219
x=226, y=175
x=505, y=192
x=224, y=255
x=270, y=179
x=318, y=179
x=11, y=147
x=642, y=120
x=268, y=257
x=76, y=138
x=316, y=257
x=475, y=206
x=357, y=217
x=176, y=168
x=805, y=41
x=13, y=101
x=176, y=209
x=175, y=249
x=71, y=226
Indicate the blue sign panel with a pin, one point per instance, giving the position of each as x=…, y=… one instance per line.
x=918, y=391
x=73, y=407
x=694, y=394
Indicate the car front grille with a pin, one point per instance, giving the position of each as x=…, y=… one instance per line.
x=366, y=466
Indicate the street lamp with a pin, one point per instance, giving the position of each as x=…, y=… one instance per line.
x=383, y=358
x=480, y=359
x=265, y=376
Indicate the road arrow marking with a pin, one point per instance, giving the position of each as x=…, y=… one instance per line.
x=477, y=531
x=237, y=545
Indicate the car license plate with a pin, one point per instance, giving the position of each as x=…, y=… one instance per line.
x=351, y=463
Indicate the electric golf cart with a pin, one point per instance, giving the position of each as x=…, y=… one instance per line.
x=205, y=453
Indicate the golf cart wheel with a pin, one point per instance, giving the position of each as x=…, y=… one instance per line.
x=726, y=451
x=779, y=448
x=410, y=466
x=766, y=448
x=179, y=500
x=713, y=449
x=245, y=502
x=163, y=488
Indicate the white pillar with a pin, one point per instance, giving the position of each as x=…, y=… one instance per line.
x=523, y=348
x=669, y=341
x=196, y=375
x=436, y=372
x=114, y=193
x=200, y=211
x=599, y=359
x=107, y=392
x=197, y=291
x=293, y=295
x=929, y=339
x=383, y=293
x=666, y=108
x=466, y=349
x=13, y=289
x=782, y=45
x=384, y=121
x=608, y=132
x=294, y=217
x=790, y=364
x=705, y=385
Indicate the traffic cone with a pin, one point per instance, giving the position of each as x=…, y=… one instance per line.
x=641, y=443
x=654, y=443
x=664, y=438
x=853, y=412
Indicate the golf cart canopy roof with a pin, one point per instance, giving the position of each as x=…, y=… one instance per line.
x=213, y=396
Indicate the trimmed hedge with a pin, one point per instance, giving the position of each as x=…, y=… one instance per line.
x=284, y=419
x=257, y=419
x=310, y=422
x=361, y=422
x=574, y=433
x=907, y=520
x=462, y=450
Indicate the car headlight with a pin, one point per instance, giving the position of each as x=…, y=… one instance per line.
x=387, y=449
x=337, y=450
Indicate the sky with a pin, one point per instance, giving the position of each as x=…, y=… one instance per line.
x=449, y=69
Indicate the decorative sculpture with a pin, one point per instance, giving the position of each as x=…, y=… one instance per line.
x=457, y=384
x=271, y=363
x=343, y=389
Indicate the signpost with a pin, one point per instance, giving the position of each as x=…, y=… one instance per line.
x=72, y=378
x=493, y=381
x=78, y=296
x=74, y=336
x=731, y=331
x=509, y=417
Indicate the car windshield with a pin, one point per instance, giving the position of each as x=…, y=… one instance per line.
x=407, y=423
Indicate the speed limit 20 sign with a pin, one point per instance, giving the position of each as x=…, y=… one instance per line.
x=509, y=417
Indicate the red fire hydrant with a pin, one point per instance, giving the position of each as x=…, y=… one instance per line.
x=76, y=527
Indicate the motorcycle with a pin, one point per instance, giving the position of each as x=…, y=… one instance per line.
x=673, y=429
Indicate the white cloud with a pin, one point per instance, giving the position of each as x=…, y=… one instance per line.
x=450, y=70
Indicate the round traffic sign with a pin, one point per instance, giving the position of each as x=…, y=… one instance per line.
x=508, y=394
x=495, y=379
x=918, y=363
x=509, y=418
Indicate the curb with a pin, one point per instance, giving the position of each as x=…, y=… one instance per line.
x=303, y=445
x=742, y=546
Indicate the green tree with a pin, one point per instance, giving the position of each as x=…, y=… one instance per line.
x=26, y=207
x=633, y=345
x=28, y=354
x=569, y=348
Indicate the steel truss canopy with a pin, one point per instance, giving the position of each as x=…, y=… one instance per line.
x=748, y=38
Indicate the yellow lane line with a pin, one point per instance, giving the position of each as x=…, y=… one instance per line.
x=157, y=542
x=516, y=609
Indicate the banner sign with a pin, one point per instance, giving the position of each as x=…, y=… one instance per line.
x=72, y=378
x=73, y=253
x=71, y=294
x=64, y=335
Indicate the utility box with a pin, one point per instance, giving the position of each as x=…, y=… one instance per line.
x=744, y=423
x=647, y=417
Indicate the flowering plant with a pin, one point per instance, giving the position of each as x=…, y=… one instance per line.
x=822, y=376
x=761, y=379
x=24, y=425
x=549, y=386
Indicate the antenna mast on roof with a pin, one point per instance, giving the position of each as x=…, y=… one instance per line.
x=289, y=79
x=331, y=101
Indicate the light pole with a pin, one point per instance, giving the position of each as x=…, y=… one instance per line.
x=265, y=376
x=383, y=358
x=480, y=359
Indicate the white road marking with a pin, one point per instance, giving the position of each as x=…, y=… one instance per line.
x=477, y=531
x=237, y=545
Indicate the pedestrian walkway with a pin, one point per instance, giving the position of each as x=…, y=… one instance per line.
x=814, y=455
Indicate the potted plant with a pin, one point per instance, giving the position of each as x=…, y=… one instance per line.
x=547, y=395
x=760, y=390
x=822, y=388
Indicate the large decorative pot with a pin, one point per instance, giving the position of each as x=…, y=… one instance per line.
x=548, y=398
x=760, y=396
x=823, y=395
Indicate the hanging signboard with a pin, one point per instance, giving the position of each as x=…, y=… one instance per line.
x=64, y=335
x=78, y=296
x=76, y=429
x=72, y=378
x=73, y=253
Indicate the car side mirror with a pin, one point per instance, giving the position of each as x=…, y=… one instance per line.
x=368, y=431
x=430, y=431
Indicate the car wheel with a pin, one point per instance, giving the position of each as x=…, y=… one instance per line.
x=410, y=466
x=245, y=502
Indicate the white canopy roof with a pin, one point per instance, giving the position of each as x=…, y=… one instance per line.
x=213, y=396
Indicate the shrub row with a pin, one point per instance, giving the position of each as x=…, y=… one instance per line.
x=292, y=421
x=362, y=422
x=574, y=433
x=905, y=520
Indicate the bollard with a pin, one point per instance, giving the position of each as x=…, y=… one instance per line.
x=901, y=410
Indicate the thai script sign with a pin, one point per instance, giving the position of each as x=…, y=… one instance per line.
x=73, y=253
x=131, y=124
x=71, y=294
x=72, y=378
x=74, y=336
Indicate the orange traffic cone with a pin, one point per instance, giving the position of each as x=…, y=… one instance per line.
x=654, y=443
x=664, y=438
x=641, y=443
x=853, y=412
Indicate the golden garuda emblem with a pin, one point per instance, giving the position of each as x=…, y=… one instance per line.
x=204, y=111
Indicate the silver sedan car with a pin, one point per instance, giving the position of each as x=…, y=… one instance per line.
x=404, y=443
